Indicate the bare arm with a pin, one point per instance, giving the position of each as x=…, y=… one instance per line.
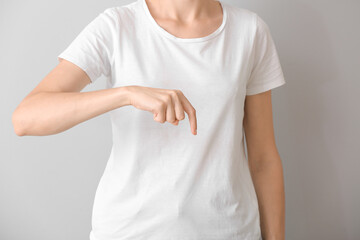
x=265, y=165
x=56, y=103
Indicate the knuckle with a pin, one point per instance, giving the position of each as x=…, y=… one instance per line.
x=160, y=105
x=176, y=95
x=173, y=92
x=179, y=92
x=167, y=99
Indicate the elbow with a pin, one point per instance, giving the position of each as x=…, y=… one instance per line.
x=18, y=123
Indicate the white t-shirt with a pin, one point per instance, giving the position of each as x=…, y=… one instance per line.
x=161, y=182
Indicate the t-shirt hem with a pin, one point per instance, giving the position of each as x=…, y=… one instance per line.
x=80, y=64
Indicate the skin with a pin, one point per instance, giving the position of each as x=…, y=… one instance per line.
x=186, y=18
x=265, y=164
x=57, y=104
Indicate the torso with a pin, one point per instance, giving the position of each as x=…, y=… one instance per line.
x=162, y=182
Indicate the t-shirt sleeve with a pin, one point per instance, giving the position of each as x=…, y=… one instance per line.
x=92, y=48
x=266, y=72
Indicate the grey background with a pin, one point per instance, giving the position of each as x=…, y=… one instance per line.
x=47, y=184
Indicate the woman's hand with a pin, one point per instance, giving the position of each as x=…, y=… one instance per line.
x=165, y=104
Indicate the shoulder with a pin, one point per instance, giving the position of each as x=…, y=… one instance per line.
x=239, y=13
x=118, y=14
x=244, y=17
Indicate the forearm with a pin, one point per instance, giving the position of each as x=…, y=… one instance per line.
x=268, y=181
x=47, y=113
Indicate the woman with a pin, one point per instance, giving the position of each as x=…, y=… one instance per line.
x=213, y=61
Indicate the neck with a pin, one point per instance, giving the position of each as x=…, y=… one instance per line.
x=184, y=11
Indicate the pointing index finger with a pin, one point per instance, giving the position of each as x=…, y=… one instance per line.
x=191, y=112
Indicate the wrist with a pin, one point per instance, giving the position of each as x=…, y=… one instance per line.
x=124, y=96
